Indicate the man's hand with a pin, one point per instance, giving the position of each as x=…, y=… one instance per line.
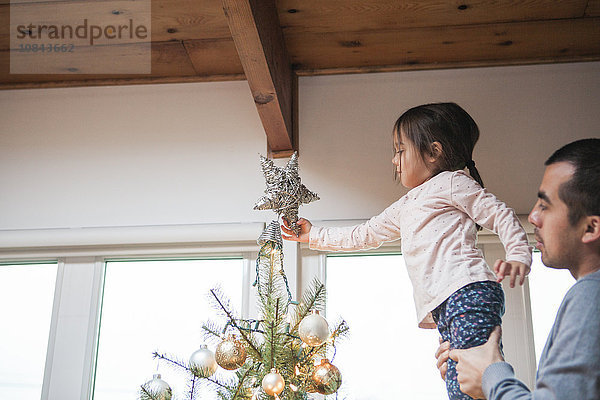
x=304, y=234
x=471, y=363
x=513, y=268
x=442, y=355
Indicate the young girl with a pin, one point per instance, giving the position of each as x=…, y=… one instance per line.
x=437, y=220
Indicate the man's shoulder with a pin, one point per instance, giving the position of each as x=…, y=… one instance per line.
x=590, y=282
x=583, y=296
x=594, y=276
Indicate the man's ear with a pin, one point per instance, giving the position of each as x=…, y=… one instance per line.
x=436, y=152
x=592, y=229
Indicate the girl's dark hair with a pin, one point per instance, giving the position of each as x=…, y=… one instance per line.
x=448, y=124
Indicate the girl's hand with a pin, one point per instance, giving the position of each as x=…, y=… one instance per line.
x=289, y=234
x=513, y=268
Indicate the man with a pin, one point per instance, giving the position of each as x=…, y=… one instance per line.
x=567, y=230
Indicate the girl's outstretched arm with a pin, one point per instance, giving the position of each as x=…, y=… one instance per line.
x=303, y=236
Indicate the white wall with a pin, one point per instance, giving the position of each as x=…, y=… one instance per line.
x=124, y=156
x=188, y=153
x=524, y=114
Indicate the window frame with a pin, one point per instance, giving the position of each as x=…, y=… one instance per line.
x=81, y=256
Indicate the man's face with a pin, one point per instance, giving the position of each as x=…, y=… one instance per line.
x=556, y=238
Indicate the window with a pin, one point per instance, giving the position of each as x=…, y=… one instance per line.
x=26, y=299
x=547, y=287
x=156, y=305
x=374, y=295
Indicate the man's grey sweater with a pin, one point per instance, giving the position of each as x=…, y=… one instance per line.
x=570, y=363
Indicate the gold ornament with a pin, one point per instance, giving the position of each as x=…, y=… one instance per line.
x=230, y=353
x=313, y=329
x=273, y=383
x=284, y=192
x=327, y=378
x=202, y=362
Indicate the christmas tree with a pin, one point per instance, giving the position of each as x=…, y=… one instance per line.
x=283, y=353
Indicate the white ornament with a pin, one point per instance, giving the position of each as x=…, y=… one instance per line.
x=158, y=388
x=273, y=383
x=202, y=362
x=313, y=329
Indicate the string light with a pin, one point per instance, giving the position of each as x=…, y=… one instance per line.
x=272, y=245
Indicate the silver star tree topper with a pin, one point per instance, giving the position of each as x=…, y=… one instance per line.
x=284, y=192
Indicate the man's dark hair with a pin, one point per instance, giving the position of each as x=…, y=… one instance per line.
x=581, y=193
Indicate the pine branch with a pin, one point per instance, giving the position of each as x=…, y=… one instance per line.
x=146, y=394
x=240, y=385
x=313, y=298
x=271, y=262
x=274, y=317
x=273, y=304
x=272, y=338
x=220, y=302
x=182, y=365
x=249, y=323
x=212, y=331
x=232, y=319
x=340, y=330
x=192, y=391
x=172, y=362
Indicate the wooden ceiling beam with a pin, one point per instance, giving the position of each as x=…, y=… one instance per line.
x=254, y=26
x=514, y=43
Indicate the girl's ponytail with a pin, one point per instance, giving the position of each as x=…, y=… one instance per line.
x=474, y=172
x=475, y=175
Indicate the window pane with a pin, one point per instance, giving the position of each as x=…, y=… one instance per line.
x=374, y=295
x=26, y=299
x=547, y=287
x=156, y=306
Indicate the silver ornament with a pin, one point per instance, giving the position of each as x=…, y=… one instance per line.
x=202, y=362
x=157, y=388
x=326, y=378
x=313, y=329
x=284, y=192
x=230, y=353
x=273, y=383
